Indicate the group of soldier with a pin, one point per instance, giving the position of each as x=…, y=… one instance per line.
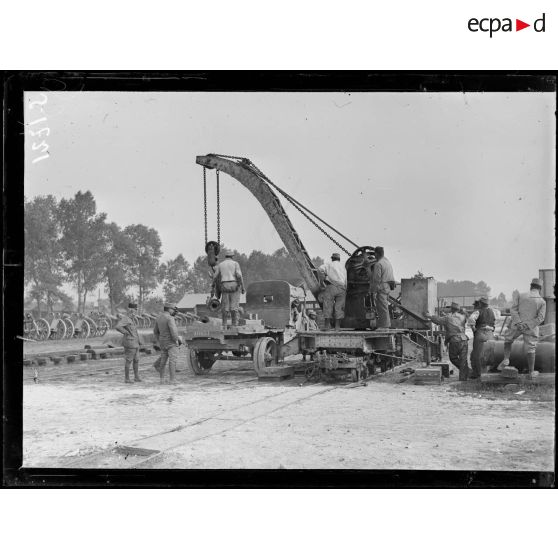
x=527, y=313
x=166, y=339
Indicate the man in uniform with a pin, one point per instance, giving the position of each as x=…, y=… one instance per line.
x=228, y=280
x=381, y=283
x=482, y=322
x=168, y=340
x=335, y=292
x=310, y=323
x=130, y=341
x=527, y=313
x=456, y=340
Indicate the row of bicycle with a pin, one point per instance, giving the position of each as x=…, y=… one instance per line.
x=69, y=325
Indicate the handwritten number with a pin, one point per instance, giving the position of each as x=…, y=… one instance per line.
x=40, y=158
x=46, y=130
x=31, y=103
x=34, y=146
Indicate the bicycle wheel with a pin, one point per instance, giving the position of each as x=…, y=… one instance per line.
x=70, y=330
x=43, y=329
x=102, y=327
x=92, y=327
x=30, y=330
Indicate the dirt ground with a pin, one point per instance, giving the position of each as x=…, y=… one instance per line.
x=228, y=419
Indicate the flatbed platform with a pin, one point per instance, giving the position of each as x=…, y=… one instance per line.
x=352, y=333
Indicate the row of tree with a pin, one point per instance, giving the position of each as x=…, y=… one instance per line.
x=67, y=241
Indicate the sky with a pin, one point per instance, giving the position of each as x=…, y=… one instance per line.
x=456, y=185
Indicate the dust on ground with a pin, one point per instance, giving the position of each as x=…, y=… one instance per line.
x=383, y=425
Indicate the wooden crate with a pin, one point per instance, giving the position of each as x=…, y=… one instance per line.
x=431, y=375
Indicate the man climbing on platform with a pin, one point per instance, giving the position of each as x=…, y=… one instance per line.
x=527, y=313
x=228, y=280
x=381, y=283
x=168, y=340
x=456, y=339
x=335, y=292
x=130, y=342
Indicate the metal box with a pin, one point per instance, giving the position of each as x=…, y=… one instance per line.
x=418, y=295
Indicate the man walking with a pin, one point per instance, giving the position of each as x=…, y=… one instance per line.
x=166, y=336
x=130, y=342
x=456, y=340
x=335, y=292
x=482, y=322
x=527, y=313
x=228, y=280
x=381, y=283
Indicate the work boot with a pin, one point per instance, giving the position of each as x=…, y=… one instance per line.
x=337, y=325
x=507, y=355
x=531, y=363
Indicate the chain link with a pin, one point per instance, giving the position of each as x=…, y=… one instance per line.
x=291, y=200
x=294, y=203
x=218, y=211
x=205, y=203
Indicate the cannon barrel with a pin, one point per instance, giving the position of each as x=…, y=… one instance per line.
x=545, y=355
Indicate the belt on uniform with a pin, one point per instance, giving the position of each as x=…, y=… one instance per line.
x=485, y=328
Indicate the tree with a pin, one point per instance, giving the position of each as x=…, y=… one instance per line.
x=43, y=262
x=174, y=275
x=144, y=263
x=82, y=242
x=120, y=250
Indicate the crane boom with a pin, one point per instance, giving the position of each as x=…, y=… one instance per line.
x=248, y=177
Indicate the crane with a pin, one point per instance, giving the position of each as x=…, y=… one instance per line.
x=266, y=192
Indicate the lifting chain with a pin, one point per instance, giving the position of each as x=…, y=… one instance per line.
x=205, y=203
x=299, y=207
x=218, y=212
x=303, y=210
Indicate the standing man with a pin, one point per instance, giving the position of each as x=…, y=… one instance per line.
x=130, y=342
x=228, y=280
x=381, y=283
x=166, y=336
x=456, y=340
x=527, y=313
x=335, y=292
x=310, y=323
x=482, y=322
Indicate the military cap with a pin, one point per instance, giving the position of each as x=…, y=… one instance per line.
x=483, y=299
x=312, y=313
x=167, y=305
x=536, y=281
x=229, y=254
x=336, y=256
x=455, y=305
x=132, y=305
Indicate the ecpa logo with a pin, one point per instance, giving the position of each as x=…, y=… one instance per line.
x=494, y=25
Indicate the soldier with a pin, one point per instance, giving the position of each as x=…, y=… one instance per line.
x=310, y=323
x=168, y=340
x=456, y=340
x=381, y=283
x=482, y=322
x=527, y=313
x=335, y=291
x=228, y=280
x=130, y=342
